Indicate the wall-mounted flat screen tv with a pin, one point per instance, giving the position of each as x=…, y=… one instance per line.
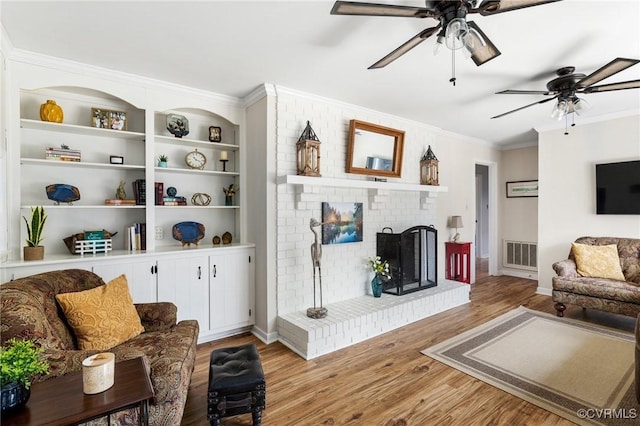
x=618, y=188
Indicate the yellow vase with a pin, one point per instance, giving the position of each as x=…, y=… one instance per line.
x=50, y=111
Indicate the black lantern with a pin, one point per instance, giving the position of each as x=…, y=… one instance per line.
x=308, y=153
x=429, y=169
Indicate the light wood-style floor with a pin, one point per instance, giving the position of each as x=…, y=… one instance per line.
x=385, y=380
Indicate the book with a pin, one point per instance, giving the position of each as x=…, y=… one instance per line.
x=159, y=187
x=116, y=202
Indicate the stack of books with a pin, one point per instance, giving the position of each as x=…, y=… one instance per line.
x=62, y=154
x=140, y=191
x=174, y=201
x=135, y=237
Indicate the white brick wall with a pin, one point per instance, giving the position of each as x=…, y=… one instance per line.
x=344, y=269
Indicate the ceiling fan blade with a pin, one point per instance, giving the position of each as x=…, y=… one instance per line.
x=407, y=46
x=526, y=106
x=491, y=7
x=483, y=49
x=525, y=92
x=376, y=9
x=633, y=84
x=613, y=67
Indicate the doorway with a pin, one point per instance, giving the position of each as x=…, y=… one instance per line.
x=482, y=242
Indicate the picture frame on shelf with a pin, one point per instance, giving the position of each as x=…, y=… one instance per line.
x=215, y=134
x=108, y=119
x=522, y=188
x=116, y=159
x=117, y=120
x=100, y=118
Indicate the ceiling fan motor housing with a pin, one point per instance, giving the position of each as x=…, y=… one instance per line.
x=566, y=82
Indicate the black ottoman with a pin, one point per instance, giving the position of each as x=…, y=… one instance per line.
x=236, y=384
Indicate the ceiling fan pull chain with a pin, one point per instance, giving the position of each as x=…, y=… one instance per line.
x=566, y=121
x=453, y=67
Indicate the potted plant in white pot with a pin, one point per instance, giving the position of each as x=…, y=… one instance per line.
x=33, y=250
x=20, y=360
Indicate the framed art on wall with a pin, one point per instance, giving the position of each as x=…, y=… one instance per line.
x=341, y=223
x=522, y=188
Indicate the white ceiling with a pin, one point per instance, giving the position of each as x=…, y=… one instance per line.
x=231, y=47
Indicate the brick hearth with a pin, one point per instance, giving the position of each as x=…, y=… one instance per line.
x=354, y=320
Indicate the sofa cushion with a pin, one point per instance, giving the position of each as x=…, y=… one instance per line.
x=102, y=317
x=598, y=261
x=628, y=251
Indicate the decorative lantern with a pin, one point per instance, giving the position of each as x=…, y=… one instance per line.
x=308, y=147
x=429, y=169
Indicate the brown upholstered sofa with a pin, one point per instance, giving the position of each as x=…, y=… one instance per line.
x=621, y=297
x=29, y=311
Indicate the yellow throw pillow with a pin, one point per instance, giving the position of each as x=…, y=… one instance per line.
x=102, y=317
x=598, y=261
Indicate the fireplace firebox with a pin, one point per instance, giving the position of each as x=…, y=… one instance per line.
x=412, y=257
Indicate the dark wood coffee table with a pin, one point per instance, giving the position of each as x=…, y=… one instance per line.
x=61, y=401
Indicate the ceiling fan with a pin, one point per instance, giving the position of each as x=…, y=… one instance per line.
x=453, y=30
x=568, y=84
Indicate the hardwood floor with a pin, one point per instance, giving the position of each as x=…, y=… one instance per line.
x=386, y=380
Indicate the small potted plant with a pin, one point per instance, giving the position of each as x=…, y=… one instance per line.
x=20, y=360
x=162, y=160
x=381, y=270
x=229, y=193
x=34, y=250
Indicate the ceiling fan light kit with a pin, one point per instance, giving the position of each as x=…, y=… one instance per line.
x=568, y=84
x=453, y=29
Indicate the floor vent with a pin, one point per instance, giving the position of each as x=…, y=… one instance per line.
x=520, y=255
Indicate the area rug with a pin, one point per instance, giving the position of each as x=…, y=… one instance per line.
x=577, y=370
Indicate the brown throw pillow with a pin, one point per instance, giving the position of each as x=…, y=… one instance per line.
x=102, y=317
x=598, y=261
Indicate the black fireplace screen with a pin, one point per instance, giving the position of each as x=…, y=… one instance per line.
x=412, y=257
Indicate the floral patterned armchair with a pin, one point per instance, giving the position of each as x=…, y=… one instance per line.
x=29, y=311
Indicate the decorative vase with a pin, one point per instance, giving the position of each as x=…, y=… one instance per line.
x=50, y=111
x=33, y=253
x=14, y=396
x=228, y=200
x=376, y=286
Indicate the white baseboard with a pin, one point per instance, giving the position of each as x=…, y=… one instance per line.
x=531, y=275
x=544, y=291
x=267, y=338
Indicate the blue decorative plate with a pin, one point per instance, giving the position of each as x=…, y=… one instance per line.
x=62, y=193
x=188, y=232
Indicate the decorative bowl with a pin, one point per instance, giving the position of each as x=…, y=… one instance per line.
x=188, y=232
x=62, y=193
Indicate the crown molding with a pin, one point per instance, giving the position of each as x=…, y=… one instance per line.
x=258, y=93
x=37, y=59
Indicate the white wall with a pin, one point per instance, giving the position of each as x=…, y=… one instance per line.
x=566, y=205
x=344, y=270
x=518, y=216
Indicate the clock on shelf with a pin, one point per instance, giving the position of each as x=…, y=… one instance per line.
x=195, y=160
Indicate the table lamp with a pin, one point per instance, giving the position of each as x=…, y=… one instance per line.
x=456, y=222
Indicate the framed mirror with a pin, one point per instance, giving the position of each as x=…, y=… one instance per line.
x=374, y=150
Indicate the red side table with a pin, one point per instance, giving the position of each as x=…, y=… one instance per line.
x=458, y=261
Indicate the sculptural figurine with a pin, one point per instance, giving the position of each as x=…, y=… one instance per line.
x=316, y=255
x=120, y=192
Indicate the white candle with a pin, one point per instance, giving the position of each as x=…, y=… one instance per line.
x=223, y=155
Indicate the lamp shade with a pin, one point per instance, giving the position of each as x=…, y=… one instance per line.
x=456, y=222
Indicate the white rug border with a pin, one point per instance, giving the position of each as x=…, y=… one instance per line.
x=516, y=391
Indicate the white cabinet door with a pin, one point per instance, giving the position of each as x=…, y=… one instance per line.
x=141, y=277
x=184, y=281
x=231, y=290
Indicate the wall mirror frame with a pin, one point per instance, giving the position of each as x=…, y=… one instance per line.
x=374, y=150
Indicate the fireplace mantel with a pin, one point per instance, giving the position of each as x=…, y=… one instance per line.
x=308, y=187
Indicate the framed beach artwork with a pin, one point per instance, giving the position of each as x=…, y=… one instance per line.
x=341, y=223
